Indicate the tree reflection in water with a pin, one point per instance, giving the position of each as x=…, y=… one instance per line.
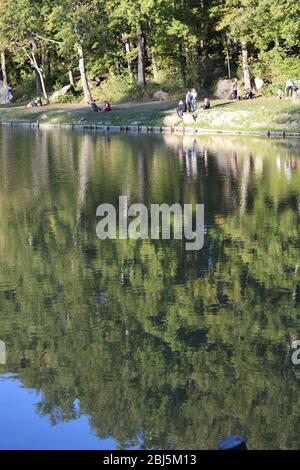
x=180, y=348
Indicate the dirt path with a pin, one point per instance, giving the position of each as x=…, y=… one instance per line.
x=155, y=105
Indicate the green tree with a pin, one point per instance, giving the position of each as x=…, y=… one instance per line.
x=23, y=27
x=75, y=24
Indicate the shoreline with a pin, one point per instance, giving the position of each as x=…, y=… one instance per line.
x=152, y=129
x=265, y=117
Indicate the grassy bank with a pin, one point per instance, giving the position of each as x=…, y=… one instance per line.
x=261, y=114
x=254, y=115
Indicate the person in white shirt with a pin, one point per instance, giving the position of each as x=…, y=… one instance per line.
x=289, y=87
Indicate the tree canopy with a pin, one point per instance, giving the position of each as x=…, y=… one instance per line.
x=179, y=43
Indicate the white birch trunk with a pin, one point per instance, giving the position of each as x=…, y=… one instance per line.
x=85, y=83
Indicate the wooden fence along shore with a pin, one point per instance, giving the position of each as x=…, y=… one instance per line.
x=150, y=129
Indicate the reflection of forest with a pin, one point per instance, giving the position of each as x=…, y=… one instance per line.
x=181, y=348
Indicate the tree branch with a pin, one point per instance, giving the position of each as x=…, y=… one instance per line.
x=46, y=39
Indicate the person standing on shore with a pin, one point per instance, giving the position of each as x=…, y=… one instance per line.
x=188, y=100
x=289, y=87
x=194, y=95
x=8, y=95
x=235, y=89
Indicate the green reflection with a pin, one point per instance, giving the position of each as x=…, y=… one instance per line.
x=178, y=347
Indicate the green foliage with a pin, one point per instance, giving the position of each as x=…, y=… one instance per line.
x=187, y=42
x=25, y=90
x=275, y=68
x=115, y=89
x=69, y=98
x=269, y=26
x=119, y=89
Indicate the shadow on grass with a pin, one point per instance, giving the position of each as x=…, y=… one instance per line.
x=223, y=105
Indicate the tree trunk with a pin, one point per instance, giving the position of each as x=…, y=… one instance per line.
x=38, y=85
x=3, y=68
x=39, y=81
x=246, y=71
x=228, y=63
x=129, y=65
x=154, y=66
x=183, y=66
x=39, y=75
x=85, y=83
x=141, y=60
x=71, y=78
x=228, y=53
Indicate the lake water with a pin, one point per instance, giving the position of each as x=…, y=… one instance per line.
x=142, y=344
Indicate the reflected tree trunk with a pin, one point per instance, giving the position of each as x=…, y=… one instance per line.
x=244, y=183
x=141, y=174
x=83, y=173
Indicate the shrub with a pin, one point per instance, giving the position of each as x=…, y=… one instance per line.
x=274, y=67
x=25, y=89
x=114, y=89
x=69, y=98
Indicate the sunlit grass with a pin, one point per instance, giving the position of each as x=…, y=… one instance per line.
x=257, y=115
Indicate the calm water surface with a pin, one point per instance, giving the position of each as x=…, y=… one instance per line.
x=121, y=344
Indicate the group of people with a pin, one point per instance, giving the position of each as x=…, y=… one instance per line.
x=105, y=109
x=290, y=90
x=37, y=103
x=191, y=100
x=190, y=103
x=248, y=94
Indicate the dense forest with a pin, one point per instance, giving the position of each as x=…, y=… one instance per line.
x=128, y=48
